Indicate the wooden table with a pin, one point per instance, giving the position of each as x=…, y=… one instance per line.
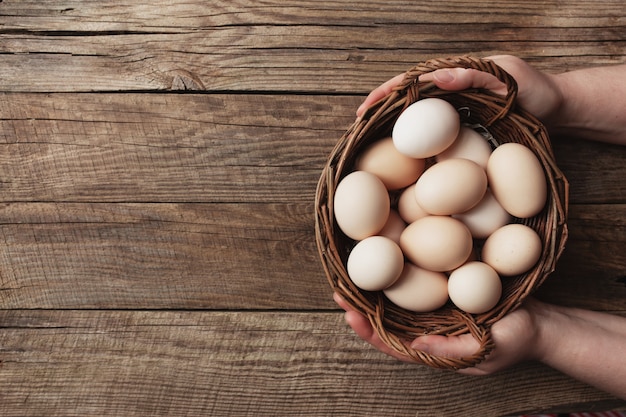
x=158, y=165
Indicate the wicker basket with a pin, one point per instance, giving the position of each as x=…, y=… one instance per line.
x=505, y=122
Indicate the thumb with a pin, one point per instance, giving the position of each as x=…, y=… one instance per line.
x=447, y=346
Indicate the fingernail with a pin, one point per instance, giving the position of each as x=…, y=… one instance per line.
x=360, y=109
x=443, y=76
x=423, y=347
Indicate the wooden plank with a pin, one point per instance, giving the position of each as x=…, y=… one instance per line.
x=170, y=148
x=591, y=175
x=232, y=256
x=111, y=363
x=264, y=68
x=593, y=264
x=146, y=256
x=190, y=148
x=167, y=17
x=185, y=45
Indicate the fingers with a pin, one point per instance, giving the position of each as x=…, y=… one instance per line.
x=462, y=346
x=363, y=328
x=454, y=79
x=378, y=93
x=341, y=302
x=447, y=346
x=436, y=345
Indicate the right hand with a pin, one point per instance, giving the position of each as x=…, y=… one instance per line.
x=515, y=337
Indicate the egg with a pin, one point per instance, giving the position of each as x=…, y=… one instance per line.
x=512, y=249
x=408, y=208
x=451, y=186
x=474, y=287
x=361, y=205
x=485, y=218
x=437, y=243
x=469, y=144
x=425, y=128
x=375, y=263
x=517, y=180
x=418, y=289
x=394, y=227
x=395, y=169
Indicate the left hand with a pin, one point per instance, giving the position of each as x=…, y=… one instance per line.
x=538, y=92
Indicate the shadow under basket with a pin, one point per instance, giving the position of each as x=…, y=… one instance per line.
x=495, y=114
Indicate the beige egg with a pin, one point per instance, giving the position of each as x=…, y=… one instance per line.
x=517, y=180
x=437, y=243
x=451, y=186
x=375, y=263
x=474, y=287
x=394, y=227
x=426, y=128
x=418, y=289
x=512, y=249
x=469, y=144
x=395, y=169
x=485, y=218
x=361, y=205
x=408, y=208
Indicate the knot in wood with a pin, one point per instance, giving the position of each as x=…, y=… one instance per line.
x=184, y=80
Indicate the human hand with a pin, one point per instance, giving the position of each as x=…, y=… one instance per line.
x=515, y=338
x=538, y=92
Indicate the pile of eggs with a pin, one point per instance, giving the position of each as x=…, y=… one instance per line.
x=433, y=212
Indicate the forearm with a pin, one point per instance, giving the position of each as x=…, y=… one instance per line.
x=586, y=345
x=593, y=104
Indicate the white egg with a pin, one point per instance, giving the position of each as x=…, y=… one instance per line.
x=375, y=263
x=474, y=287
x=426, y=128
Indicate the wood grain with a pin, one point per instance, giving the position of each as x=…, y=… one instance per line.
x=149, y=147
x=158, y=164
x=157, y=363
x=232, y=256
x=293, y=46
x=180, y=256
x=207, y=148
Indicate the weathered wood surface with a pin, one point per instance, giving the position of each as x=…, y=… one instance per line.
x=157, y=253
x=229, y=256
x=223, y=148
x=197, y=363
x=285, y=45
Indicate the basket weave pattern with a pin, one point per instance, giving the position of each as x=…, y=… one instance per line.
x=506, y=123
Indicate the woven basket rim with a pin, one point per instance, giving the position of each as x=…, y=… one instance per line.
x=396, y=326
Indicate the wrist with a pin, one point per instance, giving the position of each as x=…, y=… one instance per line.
x=545, y=318
x=555, y=324
x=589, y=105
x=559, y=119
